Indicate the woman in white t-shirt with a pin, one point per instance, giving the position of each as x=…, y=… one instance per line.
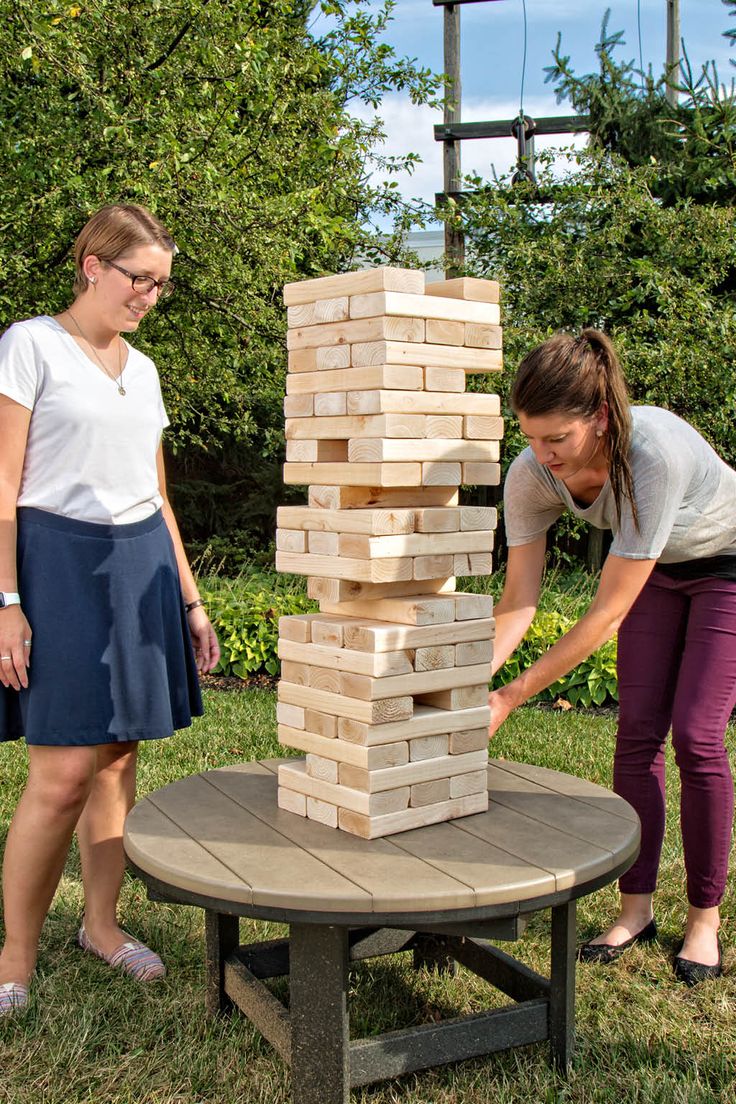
x=668, y=586
x=102, y=629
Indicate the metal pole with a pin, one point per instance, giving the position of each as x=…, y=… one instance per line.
x=672, y=70
x=454, y=239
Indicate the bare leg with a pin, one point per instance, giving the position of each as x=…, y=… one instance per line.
x=59, y=781
x=100, y=834
x=701, y=935
x=636, y=912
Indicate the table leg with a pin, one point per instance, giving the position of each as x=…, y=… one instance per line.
x=318, y=986
x=562, y=985
x=431, y=953
x=222, y=938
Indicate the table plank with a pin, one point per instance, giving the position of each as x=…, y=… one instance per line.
x=589, y=792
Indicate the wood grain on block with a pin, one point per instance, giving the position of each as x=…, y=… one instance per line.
x=324, y=812
x=322, y=678
x=461, y=785
x=365, y=688
x=483, y=337
x=465, y=287
x=291, y=540
x=377, y=636
x=470, y=606
x=355, y=425
x=401, y=377
x=373, y=523
x=300, y=406
x=469, y=652
x=415, y=352
x=354, y=283
x=433, y=567
x=461, y=697
x=360, y=498
x=330, y=404
x=365, y=450
x=338, y=567
x=438, y=473
x=376, y=827
x=321, y=724
x=483, y=427
x=441, y=425
x=321, y=310
x=375, y=664
x=485, y=475
x=328, y=632
x=444, y=379
x=316, y=360
x=374, y=403
x=433, y=520
x=415, y=544
x=342, y=751
x=409, y=610
x=472, y=739
x=336, y=592
x=291, y=715
x=374, y=304
x=429, y=793
x=472, y=563
x=471, y=518
x=428, y=747
x=319, y=767
x=295, y=673
x=442, y=332
x=431, y=658
x=370, y=712
x=323, y=544
x=292, y=801
x=426, y=721
x=297, y=627
x=359, y=331
x=294, y=776
x=312, y=452
x=357, y=475
x=424, y=770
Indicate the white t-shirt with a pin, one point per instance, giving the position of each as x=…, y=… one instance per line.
x=685, y=496
x=91, y=452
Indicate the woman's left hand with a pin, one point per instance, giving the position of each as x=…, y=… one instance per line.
x=501, y=706
x=206, y=648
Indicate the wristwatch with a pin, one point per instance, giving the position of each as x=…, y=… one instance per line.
x=8, y=599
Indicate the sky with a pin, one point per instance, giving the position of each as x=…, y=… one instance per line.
x=492, y=45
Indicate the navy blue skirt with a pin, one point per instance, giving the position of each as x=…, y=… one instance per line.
x=112, y=658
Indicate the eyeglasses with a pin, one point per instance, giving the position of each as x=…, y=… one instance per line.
x=144, y=285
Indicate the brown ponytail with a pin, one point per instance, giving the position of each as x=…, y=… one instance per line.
x=575, y=376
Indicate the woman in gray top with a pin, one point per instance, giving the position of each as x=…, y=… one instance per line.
x=668, y=587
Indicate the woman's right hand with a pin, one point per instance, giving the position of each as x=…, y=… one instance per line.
x=15, y=648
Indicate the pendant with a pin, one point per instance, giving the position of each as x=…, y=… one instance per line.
x=121, y=390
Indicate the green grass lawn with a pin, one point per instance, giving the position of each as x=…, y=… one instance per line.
x=95, y=1037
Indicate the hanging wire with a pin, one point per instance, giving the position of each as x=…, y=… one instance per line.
x=641, y=52
x=523, y=63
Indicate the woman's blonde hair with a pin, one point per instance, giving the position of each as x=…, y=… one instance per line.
x=113, y=231
x=576, y=376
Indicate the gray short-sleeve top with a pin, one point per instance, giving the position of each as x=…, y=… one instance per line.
x=685, y=496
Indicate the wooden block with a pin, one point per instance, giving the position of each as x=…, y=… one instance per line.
x=370, y=712
x=299, y=406
x=297, y=627
x=328, y=632
x=321, y=310
x=329, y=358
x=472, y=563
x=365, y=688
x=358, y=332
x=360, y=498
x=461, y=697
x=472, y=651
x=322, y=811
x=419, y=306
x=483, y=427
x=433, y=567
x=321, y=724
x=414, y=773
x=340, y=567
x=472, y=518
x=441, y=425
x=291, y=801
x=402, y=377
x=444, y=379
x=334, y=429
x=323, y=544
x=311, y=452
x=321, y=678
x=461, y=785
x=364, y=450
x=429, y=793
x=433, y=658
x=329, y=404
x=466, y=287
x=486, y=475
x=470, y=606
x=335, y=592
x=291, y=540
x=428, y=747
x=375, y=664
x=416, y=544
x=295, y=673
x=389, y=351
x=341, y=751
x=294, y=776
x=359, y=475
x=377, y=636
x=291, y=715
x=375, y=827
x=319, y=767
x=354, y=283
x=424, y=610
x=375, y=403
x=473, y=739
x=483, y=337
x=440, y=332
x=426, y=721
x=434, y=520
x=371, y=522
x=439, y=474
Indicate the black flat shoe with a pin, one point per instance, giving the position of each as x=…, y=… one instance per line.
x=692, y=973
x=605, y=953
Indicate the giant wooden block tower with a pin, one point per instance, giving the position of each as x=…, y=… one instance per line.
x=386, y=689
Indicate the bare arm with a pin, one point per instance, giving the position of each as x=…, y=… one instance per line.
x=517, y=605
x=14, y=628
x=206, y=648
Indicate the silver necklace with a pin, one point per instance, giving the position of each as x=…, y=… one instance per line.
x=119, y=381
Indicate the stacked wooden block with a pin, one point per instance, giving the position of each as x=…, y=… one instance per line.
x=386, y=688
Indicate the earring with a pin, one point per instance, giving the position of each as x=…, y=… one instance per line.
x=93, y=279
x=599, y=433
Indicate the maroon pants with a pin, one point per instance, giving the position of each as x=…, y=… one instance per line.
x=677, y=667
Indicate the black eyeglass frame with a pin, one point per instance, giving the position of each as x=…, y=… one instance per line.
x=164, y=287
